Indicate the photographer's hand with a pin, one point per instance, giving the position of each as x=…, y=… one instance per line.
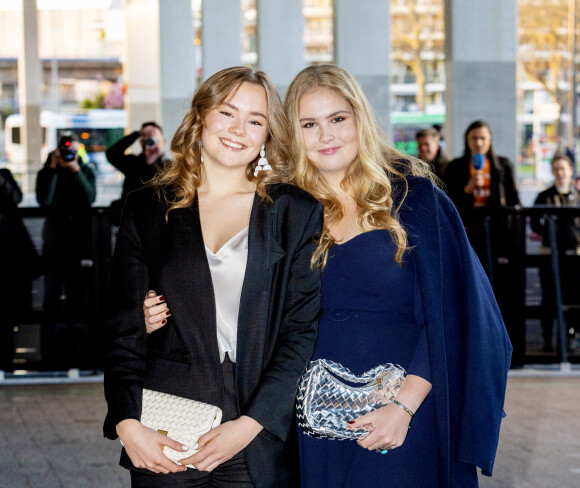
x=152, y=153
x=55, y=159
x=71, y=165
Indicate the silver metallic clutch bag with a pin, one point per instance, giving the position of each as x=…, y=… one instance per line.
x=325, y=404
x=179, y=418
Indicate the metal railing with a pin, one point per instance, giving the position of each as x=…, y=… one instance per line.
x=63, y=331
x=532, y=258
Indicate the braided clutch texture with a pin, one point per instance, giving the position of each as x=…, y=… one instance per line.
x=325, y=404
x=179, y=418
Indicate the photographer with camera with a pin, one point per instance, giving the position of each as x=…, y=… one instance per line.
x=66, y=188
x=66, y=183
x=138, y=169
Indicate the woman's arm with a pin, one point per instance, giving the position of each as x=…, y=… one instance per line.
x=390, y=423
x=126, y=352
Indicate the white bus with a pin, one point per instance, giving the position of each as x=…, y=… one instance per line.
x=97, y=130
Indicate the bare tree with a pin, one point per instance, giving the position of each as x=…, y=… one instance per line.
x=417, y=33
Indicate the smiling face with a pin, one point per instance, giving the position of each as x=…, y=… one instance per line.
x=233, y=132
x=479, y=140
x=329, y=130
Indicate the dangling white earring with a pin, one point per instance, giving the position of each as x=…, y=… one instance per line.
x=263, y=164
x=201, y=152
x=201, y=158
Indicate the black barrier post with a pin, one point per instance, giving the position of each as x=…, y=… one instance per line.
x=558, y=288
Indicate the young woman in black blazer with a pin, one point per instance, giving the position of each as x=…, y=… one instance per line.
x=224, y=185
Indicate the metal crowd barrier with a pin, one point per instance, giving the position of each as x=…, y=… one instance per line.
x=535, y=277
x=61, y=336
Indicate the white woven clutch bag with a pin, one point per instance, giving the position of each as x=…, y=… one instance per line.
x=179, y=418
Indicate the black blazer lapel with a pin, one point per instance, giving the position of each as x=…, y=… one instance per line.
x=263, y=252
x=189, y=283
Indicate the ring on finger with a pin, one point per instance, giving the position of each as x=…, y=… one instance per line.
x=382, y=450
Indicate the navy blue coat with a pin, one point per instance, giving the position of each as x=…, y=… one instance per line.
x=469, y=349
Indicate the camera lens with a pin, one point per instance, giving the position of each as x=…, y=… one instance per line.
x=150, y=141
x=67, y=154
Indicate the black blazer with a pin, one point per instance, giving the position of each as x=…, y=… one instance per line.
x=277, y=328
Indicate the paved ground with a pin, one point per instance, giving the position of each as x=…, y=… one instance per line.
x=50, y=436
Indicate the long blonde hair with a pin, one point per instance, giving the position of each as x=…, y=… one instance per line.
x=368, y=179
x=180, y=180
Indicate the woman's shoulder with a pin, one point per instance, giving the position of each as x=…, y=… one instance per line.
x=421, y=196
x=287, y=193
x=411, y=188
x=504, y=162
x=148, y=200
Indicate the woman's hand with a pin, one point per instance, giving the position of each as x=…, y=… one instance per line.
x=155, y=311
x=223, y=443
x=144, y=447
x=477, y=180
x=388, y=427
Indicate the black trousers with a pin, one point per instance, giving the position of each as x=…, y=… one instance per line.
x=231, y=474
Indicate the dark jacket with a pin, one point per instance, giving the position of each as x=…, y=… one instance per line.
x=10, y=193
x=135, y=168
x=65, y=192
x=19, y=260
x=503, y=191
x=567, y=229
x=277, y=328
x=469, y=349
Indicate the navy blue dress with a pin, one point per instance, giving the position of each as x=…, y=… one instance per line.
x=372, y=315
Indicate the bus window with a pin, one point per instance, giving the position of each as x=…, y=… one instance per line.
x=15, y=135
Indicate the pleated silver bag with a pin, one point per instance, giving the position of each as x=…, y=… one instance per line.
x=325, y=404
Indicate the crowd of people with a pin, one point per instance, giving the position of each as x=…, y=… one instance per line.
x=278, y=232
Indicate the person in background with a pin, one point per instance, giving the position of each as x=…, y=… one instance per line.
x=562, y=193
x=429, y=150
x=480, y=178
x=66, y=189
x=138, y=169
x=19, y=265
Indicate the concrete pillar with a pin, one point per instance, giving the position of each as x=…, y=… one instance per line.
x=29, y=82
x=280, y=41
x=480, y=67
x=177, y=62
x=221, y=38
x=362, y=46
x=142, y=64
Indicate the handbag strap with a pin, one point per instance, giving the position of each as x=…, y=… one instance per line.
x=370, y=375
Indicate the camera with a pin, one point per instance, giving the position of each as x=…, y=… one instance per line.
x=149, y=142
x=65, y=149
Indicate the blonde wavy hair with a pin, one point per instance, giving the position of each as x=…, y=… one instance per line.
x=368, y=179
x=181, y=178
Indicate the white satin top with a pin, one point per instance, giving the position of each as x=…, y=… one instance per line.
x=228, y=268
